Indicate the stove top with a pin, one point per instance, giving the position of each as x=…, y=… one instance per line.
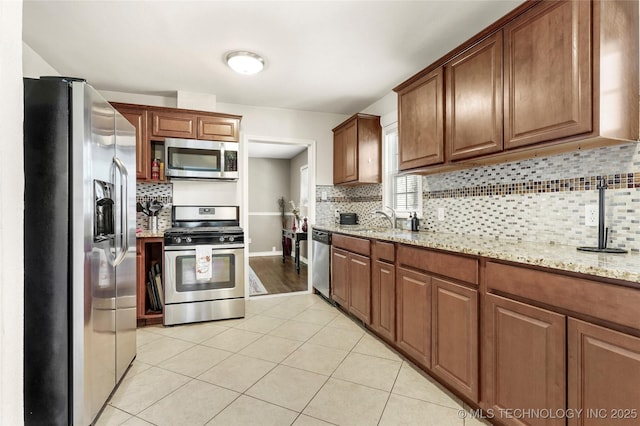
x=217, y=230
x=204, y=225
x=203, y=236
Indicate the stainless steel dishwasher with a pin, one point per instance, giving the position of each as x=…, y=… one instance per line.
x=321, y=262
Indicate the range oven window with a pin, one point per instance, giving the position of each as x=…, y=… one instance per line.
x=223, y=273
x=194, y=159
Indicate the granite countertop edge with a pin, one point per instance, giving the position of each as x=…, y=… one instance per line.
x=150, y=234
x=625, y=267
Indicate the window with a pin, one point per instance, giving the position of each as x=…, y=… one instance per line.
x=402, y=192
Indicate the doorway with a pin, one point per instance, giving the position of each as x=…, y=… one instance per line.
x=279, y=178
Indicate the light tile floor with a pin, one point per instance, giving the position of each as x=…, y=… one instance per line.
x=293, y=360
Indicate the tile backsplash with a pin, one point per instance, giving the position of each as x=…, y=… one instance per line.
x=540, y=200
x=163, y=192
x=362, y=200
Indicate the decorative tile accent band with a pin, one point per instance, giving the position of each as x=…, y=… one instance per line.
x=616, y=181
x=366, y=199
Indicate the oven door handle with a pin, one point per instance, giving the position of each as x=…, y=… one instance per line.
x=214, y=247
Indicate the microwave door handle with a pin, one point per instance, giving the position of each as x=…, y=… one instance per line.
x=124, y=213
x=222, y=161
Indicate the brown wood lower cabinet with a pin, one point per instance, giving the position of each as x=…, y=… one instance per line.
x=339, y=276
x=360, y=287
x=149, y=251
x=413, y=290
x=383, y=299
x=538, y=366
x=454, y=336
x=525, y=369
x=604, y=375
x=351, y=275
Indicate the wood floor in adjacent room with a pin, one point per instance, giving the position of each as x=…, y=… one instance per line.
x=278, y=277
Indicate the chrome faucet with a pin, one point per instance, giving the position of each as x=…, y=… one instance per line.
x=391, y=218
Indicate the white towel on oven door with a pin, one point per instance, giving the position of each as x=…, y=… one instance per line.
x=203, y=262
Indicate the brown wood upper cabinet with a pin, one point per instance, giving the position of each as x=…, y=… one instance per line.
x=357, y=148
x=540, y=81
x=225, y=129
x=173, y=124
x=474, y=101
x=547, y=85
x=137, y=115
x=195, y=125
x=421, y=122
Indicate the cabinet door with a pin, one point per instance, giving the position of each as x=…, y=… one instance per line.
x=414, y=315
x=340, y=276
x=360, y=287
x=338, y=156
x=474, y=101
x=173, y=125
x=138, y=117
x=604, y=375
x=524, y=359
x=421, y=122
x=547, y=81
x=383, y=300
x=141, y=293
x=350, y=152
x=225, y=129
x=454, y=338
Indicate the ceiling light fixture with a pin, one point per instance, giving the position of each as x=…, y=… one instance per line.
x=244, y=62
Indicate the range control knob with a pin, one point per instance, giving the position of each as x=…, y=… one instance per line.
x=221, y=239
x=177, y=240
x=231, y=238
x=189, y=239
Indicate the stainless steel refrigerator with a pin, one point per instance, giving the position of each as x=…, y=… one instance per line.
x=80, y=257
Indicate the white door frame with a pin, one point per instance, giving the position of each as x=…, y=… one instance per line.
x=311, y=162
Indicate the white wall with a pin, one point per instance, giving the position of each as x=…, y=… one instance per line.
x=11, y=217
x=33, y=65
x=384, y=106
x=135, y=98
x=284, y=123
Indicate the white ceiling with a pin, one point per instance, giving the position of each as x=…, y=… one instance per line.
x=327, y=56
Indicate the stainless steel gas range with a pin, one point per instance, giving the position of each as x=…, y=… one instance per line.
x=204, y=265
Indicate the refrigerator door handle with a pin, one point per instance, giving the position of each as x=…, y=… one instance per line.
x=124, y=210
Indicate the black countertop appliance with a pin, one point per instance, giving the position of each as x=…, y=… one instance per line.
x=348, y=219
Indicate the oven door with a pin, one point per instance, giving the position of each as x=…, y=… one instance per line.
x=226, y=282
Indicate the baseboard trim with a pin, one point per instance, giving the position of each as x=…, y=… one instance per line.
x=276, y=253
x=265, y=253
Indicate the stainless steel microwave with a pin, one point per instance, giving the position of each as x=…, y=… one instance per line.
x=197, y=159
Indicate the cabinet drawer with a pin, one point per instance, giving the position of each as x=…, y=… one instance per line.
x=608, y=302
x=450, y=265
x=356, y=245
x=384, y=251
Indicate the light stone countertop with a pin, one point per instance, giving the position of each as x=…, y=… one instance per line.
x=149, y=234
x=564, y=258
